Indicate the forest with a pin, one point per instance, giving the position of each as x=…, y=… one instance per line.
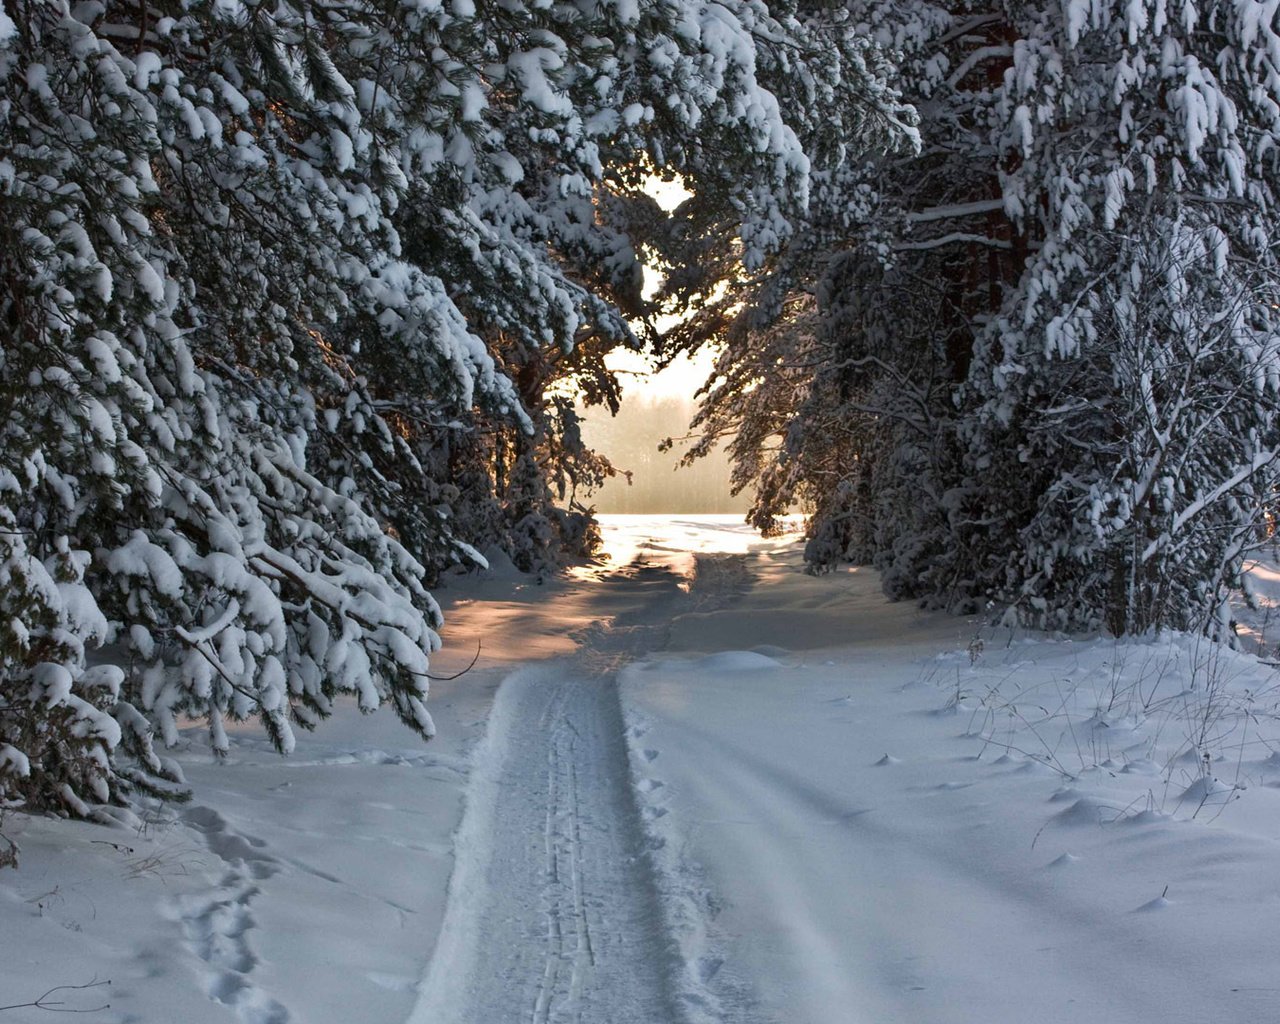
x=301, y=301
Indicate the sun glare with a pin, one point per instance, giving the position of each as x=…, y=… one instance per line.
x=683, y=377
x=667, y=194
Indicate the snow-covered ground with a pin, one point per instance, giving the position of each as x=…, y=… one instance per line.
x=695, y=785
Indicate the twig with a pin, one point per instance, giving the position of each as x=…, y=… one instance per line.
x=445, y=679
x=9, y=855
x=118, y=847
x=57, y=1007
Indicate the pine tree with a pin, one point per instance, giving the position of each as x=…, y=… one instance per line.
x=283, y=282
x=1041, y=369
x=1133, y=383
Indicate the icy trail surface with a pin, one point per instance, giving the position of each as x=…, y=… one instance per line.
x=568, y=919
x=554, y=915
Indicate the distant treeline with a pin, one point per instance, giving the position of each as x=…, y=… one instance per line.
x=657, y=482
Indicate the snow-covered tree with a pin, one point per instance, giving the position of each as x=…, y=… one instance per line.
x=276, y=274
x=1151, y=457
x=686, y=89
x=835, y=353
x=1132, y=381
x=1042, y=369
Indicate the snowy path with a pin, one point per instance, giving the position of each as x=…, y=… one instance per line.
x=569, y=922
x=553, y=913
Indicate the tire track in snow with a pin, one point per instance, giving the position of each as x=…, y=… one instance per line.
x=553, y=917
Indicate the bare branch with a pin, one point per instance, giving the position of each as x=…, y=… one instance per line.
x=57, y=1006
x=445, y=679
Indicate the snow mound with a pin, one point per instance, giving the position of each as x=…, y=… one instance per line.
x=1086, y=811
x=736, y=661
x=500, y=566
x=1141, y=766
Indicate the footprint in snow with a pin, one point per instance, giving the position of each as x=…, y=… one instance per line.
x=709, y=967
x=216, y=925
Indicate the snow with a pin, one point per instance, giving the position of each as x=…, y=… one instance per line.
x=692, y=783
x=220, y=910
x=922, y=890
